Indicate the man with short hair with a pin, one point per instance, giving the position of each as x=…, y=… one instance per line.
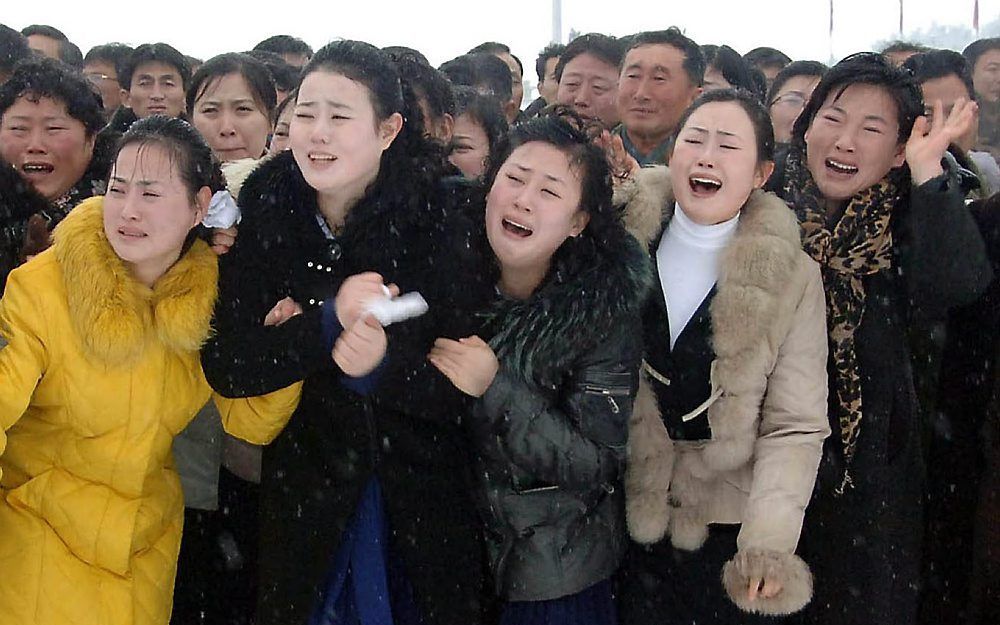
x=485, y=73
x=100, y=67
x=587, y=74
x=154, y=80
x=545, y=69
x=295, y=51
x=769, y=61
x=51, y=42
x=662, y=73
x=13, y=48
x=898, y=51
x=502, y=52
x=984, y=59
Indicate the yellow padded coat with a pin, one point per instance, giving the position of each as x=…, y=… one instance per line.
x=98, y=373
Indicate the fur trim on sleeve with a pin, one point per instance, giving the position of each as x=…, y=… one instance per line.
x=787, y=568
x=649, y=470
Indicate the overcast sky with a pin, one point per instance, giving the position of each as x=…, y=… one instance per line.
x=443, y=29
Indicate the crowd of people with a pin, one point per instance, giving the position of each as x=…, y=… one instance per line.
x=707, y=338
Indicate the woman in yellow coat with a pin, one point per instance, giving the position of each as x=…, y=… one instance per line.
x=99, y=370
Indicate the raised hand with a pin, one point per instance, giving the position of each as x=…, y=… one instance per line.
x=361, y=348
x=355, y=294
x=469, y=363
x=223, y=239
x=929, y=139
x=621, y=162
x=282, y=312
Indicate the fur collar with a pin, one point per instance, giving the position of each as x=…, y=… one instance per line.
x=755, y=270
x=115, y=315
x=539, y=338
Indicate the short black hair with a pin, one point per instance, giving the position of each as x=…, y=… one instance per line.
x=13, y=48
x=428, y=84
x=903, y=46
x=285, y=44
x=154, y=53
x=496, y=48
x=865, y=68
x=760, y=119
x=400, y=52
x=939, y=64
x=113, y=53
x=767, y=57
x=484, y=110
x=606, y=48
x=285, y=76
x=482, y=71
x=551, y=51
x=42, y=77
x=44, y=30
x=255, y=73
x=694, y=61
x=977, y=48
x=69, y=52
x=733, y=68
x=793, y=69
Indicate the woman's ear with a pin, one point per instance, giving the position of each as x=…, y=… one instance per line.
x=763, y=174
x=389, y=129
x=201, y=201
x=580, y=221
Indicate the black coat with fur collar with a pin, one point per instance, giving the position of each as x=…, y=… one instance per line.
x=18, y=202
x=314, y=472
x=551, y=430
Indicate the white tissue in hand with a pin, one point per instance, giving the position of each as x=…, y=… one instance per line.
x=392, y=310
x=222, y=211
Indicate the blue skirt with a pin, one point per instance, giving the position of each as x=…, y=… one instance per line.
x=367, y=584
x=591, y=606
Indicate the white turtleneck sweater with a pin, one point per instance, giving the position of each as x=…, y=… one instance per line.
x=688, y=264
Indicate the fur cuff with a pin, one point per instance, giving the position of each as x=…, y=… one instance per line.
x=787, y=568
x=649, y=470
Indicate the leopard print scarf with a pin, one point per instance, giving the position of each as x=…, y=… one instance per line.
x=859, y=245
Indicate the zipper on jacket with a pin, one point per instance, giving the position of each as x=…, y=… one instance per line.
x=608, y=393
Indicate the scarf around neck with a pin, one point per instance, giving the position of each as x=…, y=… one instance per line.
x=857, y=245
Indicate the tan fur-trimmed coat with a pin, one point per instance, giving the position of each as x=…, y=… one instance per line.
x=768, y=425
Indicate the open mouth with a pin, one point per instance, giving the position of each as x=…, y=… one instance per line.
x=131, y=233
x=841, y=168
x=517, y=229
x=37, y=168
x=321, y=158
x=704, y=185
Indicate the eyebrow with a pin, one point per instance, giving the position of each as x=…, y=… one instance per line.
x=547, y=176
x=49, y=118
x=142, y=183
x=161, y=76
x=236, y=101
x=871, y=118
x=724, y=133
x=656, y=67
x=333, y=103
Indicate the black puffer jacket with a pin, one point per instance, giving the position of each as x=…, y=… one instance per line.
x=315, y=471
x=551, y=430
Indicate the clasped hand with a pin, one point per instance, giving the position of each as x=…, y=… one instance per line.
x=363, y=343
x=469, y=363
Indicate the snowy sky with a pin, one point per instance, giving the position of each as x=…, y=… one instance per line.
x=443, y=29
